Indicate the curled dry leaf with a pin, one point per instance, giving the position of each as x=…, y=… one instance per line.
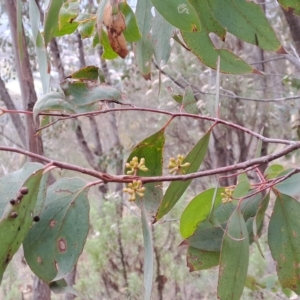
x=115, y=25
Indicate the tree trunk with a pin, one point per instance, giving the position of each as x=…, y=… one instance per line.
x=16, y=119
x=33, y=143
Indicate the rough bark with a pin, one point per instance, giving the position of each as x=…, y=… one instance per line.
x=33, y=143
x=16, y=119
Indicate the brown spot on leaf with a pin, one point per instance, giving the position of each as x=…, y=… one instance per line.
x=294, y=233
x=13, y=215
x=36, y=219
x=282, y=257
x=24, y=190
x=19, y=196
x=39, y=260
x=190, y=266
x=52, y=223
x=114, y=22
x=62, y=245
x=281, y=50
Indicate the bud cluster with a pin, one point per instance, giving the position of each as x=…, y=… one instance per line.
x=135, y=188
x=135, y=165
x=177, y=166
x=227, y=196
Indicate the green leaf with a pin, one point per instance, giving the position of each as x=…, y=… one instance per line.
x=18, y=194
x=289, y=186
x=201, y=260
x=87, y=25
x=290, y=5
x=242, y=187
x=41, y=53
x=108, y=52
x=201, y=45
x=189, y=102
x=258, y=220
x=54, y=244
x=61, y=287
x=144, y=49
x=81, y=94
x=96, y=39
x=86, y=73
x=54, y=101
x=51, y=19
x=198, y=210
x=284, y=242
x=148, y=256
x=273, y=171
x=67, y=13
x=151, y=149
x=249, y=206
x=234, y=258
x=176, y=189
x=209, y=233
x=162, y=32
x=208, y=22
x=131, y=33
x=67, y=29
x=247, y=21
x=179, y=13
x=177, y=97
x=208, y=239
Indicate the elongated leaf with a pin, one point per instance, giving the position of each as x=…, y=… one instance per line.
x=151, y=149
x=131, y=33
x=68, y=12
x=51, y=19
x=52, y=102
x=291, y=5
x=258, y=221
x=234, y=258
x=201, y=260
x=176, y=189
x=108, y=52
x=144, y=49
x=201, y=45
x=179, y=13
x=198, y=210
x=18, y=195
x=189, y=101
x=81, y=94
x=43, y=62
x=162, y=32
x=289, y=186
x=87, y=25
x=149, y=256
x=241, y=189
x=86, y=73
x=208, y=239
x=247, y=21
x=273, y=171
x=284, y=242
x=53, y=245
x=209, y=23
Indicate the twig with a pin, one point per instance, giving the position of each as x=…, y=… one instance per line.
x=173, y=115
x=127, y=179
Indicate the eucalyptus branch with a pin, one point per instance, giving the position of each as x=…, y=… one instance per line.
x=173, y=115
x=128, y=179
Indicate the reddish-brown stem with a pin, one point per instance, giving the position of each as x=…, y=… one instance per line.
x=173, y=115
x=126, y=179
